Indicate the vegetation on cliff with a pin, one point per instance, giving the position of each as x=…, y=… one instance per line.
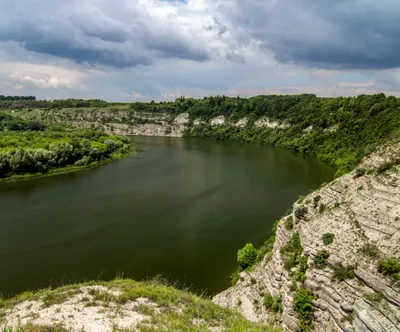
x=340, y=131
x=32, y=149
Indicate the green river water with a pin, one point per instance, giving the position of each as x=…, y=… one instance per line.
x=181, y=208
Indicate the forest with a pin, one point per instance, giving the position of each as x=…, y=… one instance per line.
x=31, y=148
x=30, y=102
x=340, y=131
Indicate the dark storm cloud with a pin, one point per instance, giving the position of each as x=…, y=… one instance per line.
x=96, y=32
x=87, y=55
x=359, y=34
x=339, y=34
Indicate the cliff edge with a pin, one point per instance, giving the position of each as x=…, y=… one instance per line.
x=343, y=275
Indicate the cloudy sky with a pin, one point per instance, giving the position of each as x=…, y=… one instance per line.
x=124, y=50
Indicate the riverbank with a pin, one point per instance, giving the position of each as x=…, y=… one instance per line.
x=120, y=305
x=69, y=169
x=31, y=149
x=339, y=131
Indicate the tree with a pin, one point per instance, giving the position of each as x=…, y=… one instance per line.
x=247, y=256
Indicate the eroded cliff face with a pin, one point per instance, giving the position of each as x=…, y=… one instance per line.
x=362, y=211
x=127, y=122
x=121, y=122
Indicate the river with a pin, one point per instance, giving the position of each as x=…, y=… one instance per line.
x=181, y=208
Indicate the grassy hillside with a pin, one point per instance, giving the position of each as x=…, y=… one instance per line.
x=120, y=305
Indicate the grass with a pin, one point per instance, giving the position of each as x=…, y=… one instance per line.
x=289, y=223
x=177, y=310
x=370, y=250
x=374, y=297
x=52, y=298
x=273, y=303
x=36, y=328
x=389, y=267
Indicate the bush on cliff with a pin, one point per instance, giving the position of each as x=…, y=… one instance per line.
x=247, y=256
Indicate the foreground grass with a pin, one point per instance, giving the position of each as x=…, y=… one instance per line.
x=176, y=310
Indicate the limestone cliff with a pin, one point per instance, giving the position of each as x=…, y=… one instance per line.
x=117, y=121
x=360, y=212
x=127, y=122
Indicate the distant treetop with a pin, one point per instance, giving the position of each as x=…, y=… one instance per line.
x=17, y=98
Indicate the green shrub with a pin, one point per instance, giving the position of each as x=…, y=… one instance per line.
x=327, y=238
x=320, y=260
x=302, y=265
x=247, y=256
x=359, y=172
x=293, y=246
x=289, y=223
x=303, y=305
x=369, y=250
x=389, y=267
x=273, y=303
x=291, y=252
x=340, y=273
x=316, y=201
x=293, y=286
x=321, y=208
x=374, y=297
x=387, y=165
x=301, y=212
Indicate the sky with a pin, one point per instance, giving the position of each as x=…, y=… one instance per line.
x=142, y=50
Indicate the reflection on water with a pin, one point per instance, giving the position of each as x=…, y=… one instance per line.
x=181, y=208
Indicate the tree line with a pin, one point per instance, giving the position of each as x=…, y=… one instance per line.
x=39, y=149
x=340, y=131
x=9, y=103
x=18, y=98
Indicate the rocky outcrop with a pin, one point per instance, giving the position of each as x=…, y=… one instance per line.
x=241, y=123
x=217, y=121
x=362, y=211
x=121, y=122
x=265, y=122
x=119, y=305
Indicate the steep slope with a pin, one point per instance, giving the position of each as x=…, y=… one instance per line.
x=119, y=305
x=358, y=218
x=117, y=121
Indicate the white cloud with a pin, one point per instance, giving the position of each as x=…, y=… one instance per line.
x=158, y=49
x=44, y=76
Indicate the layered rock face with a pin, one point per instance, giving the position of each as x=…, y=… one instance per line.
x=120, y=122
x=127, y=122
x=361, y=213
